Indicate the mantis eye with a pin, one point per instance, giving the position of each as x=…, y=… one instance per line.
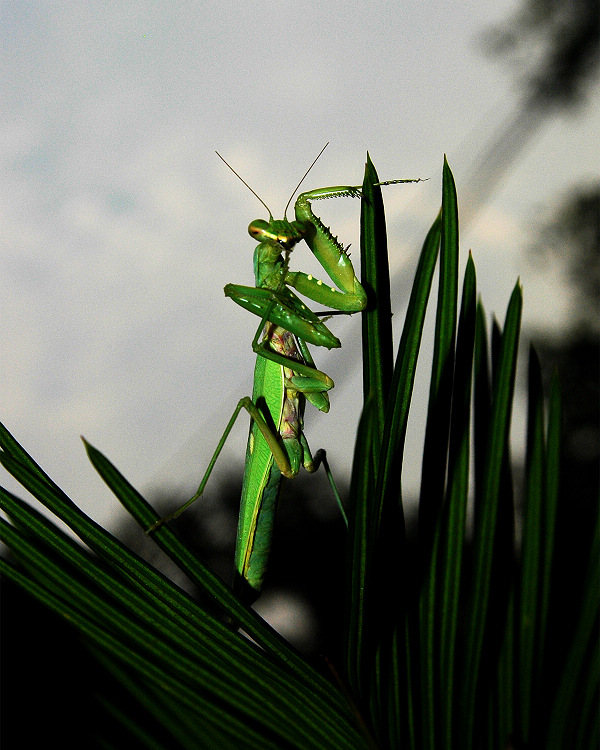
x=258, y=229
x=287, y=243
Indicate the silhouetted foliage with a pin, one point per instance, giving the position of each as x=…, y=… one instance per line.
x=555, y=46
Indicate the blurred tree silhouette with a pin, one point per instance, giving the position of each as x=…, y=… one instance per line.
x=552, y=46
x=555, y=43
x=573, y=237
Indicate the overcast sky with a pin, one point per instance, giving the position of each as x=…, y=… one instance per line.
x=119, y=226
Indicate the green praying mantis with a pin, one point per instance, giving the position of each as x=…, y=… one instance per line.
x=285, y=375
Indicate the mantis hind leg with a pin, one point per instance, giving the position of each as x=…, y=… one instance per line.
x=313, y=464
x=279, y=455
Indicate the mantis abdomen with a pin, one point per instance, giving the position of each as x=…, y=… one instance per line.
x=282, y=407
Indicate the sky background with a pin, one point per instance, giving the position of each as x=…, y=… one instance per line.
x=119, y=226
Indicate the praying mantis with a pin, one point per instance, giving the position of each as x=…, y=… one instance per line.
x=285, y=375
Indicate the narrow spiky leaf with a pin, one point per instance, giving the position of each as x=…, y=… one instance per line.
x=359, y=638
x=391, y=554
x=532, y=541
x=435, y=452
x=484, y=533
x=377, y=318
x=455, y=510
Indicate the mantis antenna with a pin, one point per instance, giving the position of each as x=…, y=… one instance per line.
x=303, y=178
x=248, y=186
x=258, y=196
